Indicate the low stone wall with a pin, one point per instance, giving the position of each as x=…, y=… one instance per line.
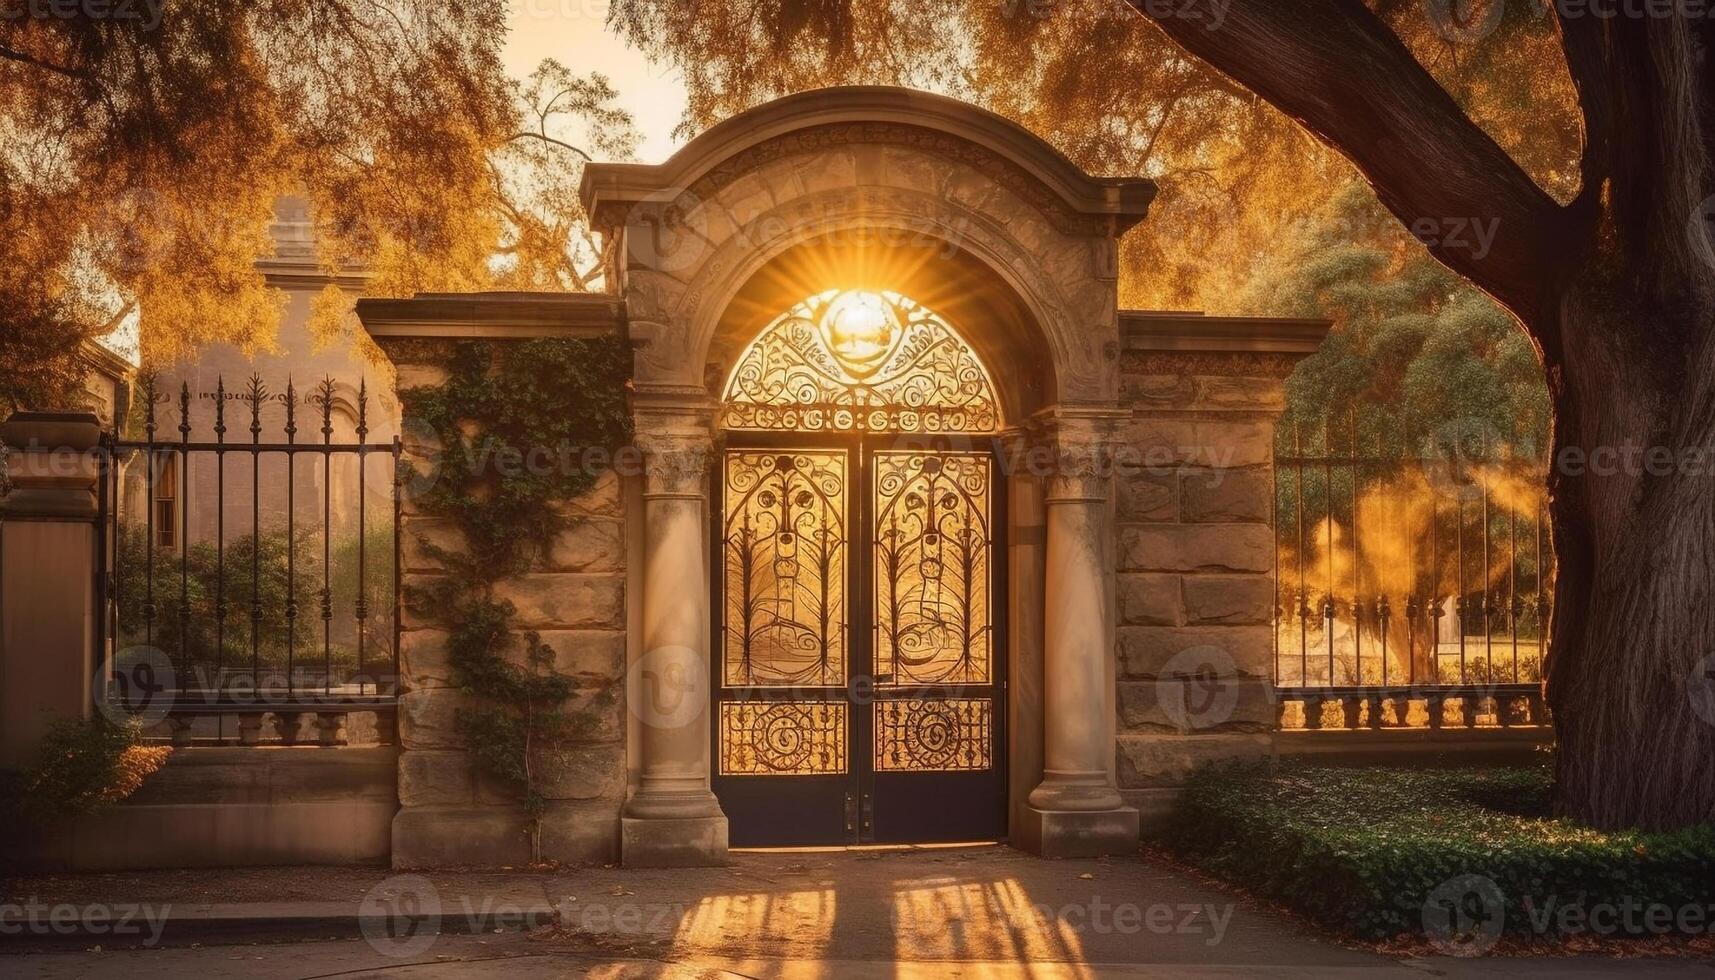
x=232, y=807
x=1417, y=747
x=1194, y=564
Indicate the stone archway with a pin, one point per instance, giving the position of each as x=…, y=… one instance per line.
x=812, y=181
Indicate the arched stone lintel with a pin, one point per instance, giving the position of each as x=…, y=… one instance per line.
x=1065, y=296
x=608, y=190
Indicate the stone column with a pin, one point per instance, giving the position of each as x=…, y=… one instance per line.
x=673, y=818
x=1077, y=811
x=47, y=577
x=1026, y=534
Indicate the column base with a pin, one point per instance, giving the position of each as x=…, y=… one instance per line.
x=1077, y=833
x=677, y=842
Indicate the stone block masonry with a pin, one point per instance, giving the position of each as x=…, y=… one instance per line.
x=1195, y=558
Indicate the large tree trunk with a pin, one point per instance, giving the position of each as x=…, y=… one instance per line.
x=1632, y=375
x=1633, y=506
x=1617, y=290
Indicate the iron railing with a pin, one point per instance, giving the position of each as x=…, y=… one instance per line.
x=1412, y=580
x=269, y=616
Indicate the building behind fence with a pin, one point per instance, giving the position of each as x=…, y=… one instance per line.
x=251, y=541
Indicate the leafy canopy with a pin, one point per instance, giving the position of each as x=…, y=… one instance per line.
x=140, y=162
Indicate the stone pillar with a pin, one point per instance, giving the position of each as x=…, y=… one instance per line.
x=673, y=818
x=1077, y=810
x=1195, y=547
x=1026, y=534
x=48, y=540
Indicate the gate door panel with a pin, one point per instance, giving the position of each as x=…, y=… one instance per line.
x=858, y=669
x=934, y=771
x=782, y=738
x=889, y=732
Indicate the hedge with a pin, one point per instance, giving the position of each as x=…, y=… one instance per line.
x=1364, y=850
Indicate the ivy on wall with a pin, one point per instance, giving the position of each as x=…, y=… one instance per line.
x=521, y=427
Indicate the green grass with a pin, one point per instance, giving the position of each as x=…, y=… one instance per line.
x=1362, y=851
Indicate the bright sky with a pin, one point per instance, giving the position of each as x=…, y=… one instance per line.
x=575, y=32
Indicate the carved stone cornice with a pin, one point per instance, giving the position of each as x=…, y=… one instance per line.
x=51, y=466
x=811, y=122
x=1271, y=365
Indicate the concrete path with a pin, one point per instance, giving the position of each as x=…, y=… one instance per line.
x=965, y=913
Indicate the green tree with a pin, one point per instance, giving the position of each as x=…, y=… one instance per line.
x=1420, y=356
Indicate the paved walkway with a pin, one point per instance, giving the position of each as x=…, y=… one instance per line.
x=966, y=913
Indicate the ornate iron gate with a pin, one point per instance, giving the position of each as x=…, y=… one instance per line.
x=860, y=696
x=858, y=667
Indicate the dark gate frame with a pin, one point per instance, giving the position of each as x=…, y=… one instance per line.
x=796, y=823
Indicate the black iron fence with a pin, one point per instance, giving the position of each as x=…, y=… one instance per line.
x=1413, y=578
x=250, y=580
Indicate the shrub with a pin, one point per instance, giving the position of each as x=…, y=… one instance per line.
x=198, y=574
x=1363, y=850
x=81, y=767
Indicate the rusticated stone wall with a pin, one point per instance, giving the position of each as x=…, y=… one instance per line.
x=574, y=596
x=1194, y=582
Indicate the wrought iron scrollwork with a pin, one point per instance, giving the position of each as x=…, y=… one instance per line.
x=932, y=543
x=933, y=735
x=907, y=371
x=783, y=738
x=785, y=554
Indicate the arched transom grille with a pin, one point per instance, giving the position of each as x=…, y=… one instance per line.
x=863, y=361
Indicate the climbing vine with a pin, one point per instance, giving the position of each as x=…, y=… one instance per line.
x=515, y=430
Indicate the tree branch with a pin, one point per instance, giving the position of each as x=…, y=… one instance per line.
x=1338, y=70
x=544, y=137
x=13, y=54
x=1581, y=42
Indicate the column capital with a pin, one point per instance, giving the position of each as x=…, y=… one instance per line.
x=1081, y=440
x=674, y=428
